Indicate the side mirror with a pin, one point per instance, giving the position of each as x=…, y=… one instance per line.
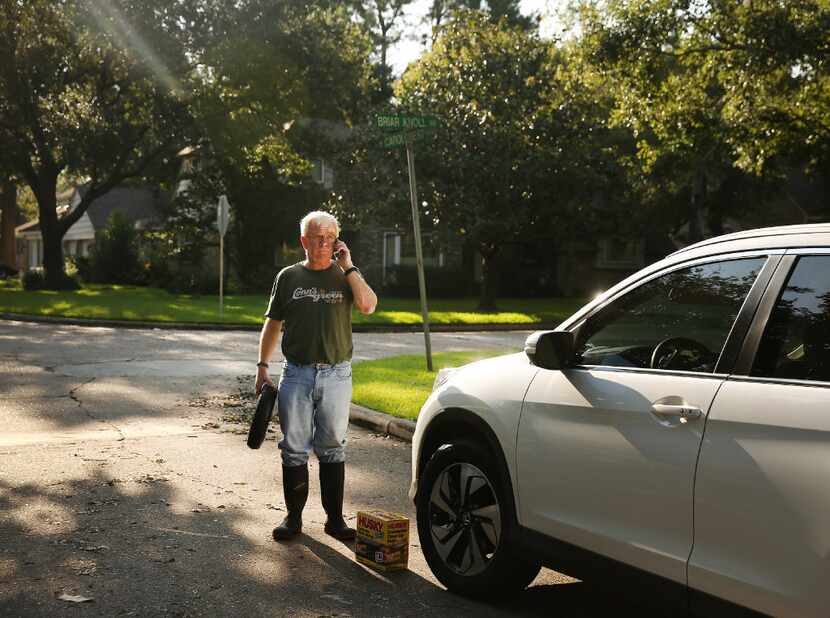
x=550, y=349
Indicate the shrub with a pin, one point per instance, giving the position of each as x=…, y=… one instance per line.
x=35, y=279
x=157, y=261
x=440, y=281
x=114, y=258
x=261, y=280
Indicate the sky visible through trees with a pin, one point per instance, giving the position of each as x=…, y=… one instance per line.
x=410, y=47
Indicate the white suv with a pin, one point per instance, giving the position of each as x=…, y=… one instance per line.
x=674, y=432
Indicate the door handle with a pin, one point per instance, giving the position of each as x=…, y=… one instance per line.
x=684, y=411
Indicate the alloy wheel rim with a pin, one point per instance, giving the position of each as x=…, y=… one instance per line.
x=464, y=519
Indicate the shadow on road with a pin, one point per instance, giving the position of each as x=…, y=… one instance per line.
x=138, y=547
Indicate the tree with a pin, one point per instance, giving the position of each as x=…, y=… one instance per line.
x=440, y=12
x=523, y=151
x=274, y=68
x=480, y=174
x=8, y=221
x=381, y=18
x=671, y=103
x=93, y=88
x=707, y=87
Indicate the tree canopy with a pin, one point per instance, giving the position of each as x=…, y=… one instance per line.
x=710, y=89
x=92, y=88
x=485, y=172
x=656, y=111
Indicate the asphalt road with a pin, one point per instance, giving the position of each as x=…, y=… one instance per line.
x=125, y=479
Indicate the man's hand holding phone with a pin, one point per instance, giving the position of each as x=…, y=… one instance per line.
x=342, y=255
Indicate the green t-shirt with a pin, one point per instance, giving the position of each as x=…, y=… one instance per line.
x=315, y=307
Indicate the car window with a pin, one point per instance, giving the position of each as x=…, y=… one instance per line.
x=796, y=344
x=678, y=321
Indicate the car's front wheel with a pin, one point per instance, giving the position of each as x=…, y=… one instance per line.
x=466, y=524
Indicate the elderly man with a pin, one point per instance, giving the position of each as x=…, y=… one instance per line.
x=311, y=304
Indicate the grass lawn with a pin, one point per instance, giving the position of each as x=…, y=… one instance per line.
x=115, y=302
x=400, y=385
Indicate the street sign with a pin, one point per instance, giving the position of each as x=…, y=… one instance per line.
x=403, y=130
x=223, y=211
x=393, y=140
x=403, y=122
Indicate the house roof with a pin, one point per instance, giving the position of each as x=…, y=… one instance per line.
x=136, y=203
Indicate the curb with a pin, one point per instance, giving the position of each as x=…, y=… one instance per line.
x=382, y=423
x=356, y=328
x=133, y=324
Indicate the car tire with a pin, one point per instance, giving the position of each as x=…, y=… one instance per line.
x=467, y=524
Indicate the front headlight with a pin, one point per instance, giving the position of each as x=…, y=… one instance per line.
x=442, y=377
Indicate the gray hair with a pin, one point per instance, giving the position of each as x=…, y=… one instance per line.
x=318, y=216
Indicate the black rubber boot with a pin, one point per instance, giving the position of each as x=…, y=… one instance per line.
x=295, y=489
x=332, y=476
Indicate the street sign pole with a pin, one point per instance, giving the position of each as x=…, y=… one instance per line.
x=221, y=275
x=419, y=260
x=222, y=216
x=403, y=130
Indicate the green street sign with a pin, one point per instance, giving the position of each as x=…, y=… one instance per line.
x=401, y=122
x=399, y=139
x=395, y=140
x=388, y=122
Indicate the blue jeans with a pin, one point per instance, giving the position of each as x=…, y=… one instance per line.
x=314, y=411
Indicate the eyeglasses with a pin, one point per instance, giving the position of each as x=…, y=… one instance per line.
x=322, y=240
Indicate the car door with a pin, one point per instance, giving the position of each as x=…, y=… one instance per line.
x=762, y=495
x=607, y=448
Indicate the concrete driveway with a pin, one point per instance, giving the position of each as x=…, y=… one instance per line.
x=125, y=479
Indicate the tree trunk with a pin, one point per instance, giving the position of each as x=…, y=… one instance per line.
x=51, y=231
x=489, y=276
x=8, y=220
x=696, y=208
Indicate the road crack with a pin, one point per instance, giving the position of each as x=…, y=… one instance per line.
x=74, y=397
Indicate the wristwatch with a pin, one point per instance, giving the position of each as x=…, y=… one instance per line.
x=351, y=270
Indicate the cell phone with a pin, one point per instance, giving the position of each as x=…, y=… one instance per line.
x=336, y=254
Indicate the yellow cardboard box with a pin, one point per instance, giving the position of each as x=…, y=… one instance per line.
x=382, y=541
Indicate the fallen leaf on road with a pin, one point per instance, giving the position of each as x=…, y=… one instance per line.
x=149, y=478
x=74, y=598
x=87, y=571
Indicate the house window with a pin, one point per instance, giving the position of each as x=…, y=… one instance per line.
x=391, y=249
x=399, y=250
x=35, y=253
x=323, y=173
x=620, y=253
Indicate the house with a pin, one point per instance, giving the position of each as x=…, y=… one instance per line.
x=140, y=205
